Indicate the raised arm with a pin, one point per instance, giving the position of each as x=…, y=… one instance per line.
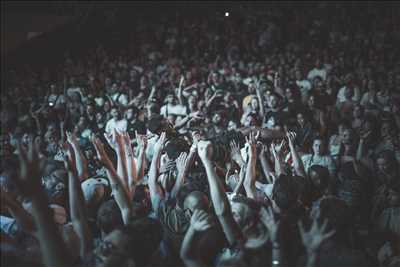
x=183, y=167
x=141, y=162
x=313, y=239
x=218, y=197
x=180, y=99
x=276, y=152
x=260, y=100
x=81, y=162
x=199, y=222
x=297, y=162
x=77, y=204
x=155, y=193
x=250, y=177
x=23, y=218
x=51, y=244
x=118, y=189
x=115, y=140
x=130, y=164
x=267, y=169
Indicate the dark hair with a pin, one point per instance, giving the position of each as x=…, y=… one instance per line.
x=186, y=190
x=176, y=146
x=336, y=212
x=284, y=192
x=144, y=235
x=155, y=124
x=109, y=216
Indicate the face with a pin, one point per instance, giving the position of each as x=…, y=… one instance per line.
x=241, y=213
x=300, y=119
x=254, y=103
x=129, y=114
x=288, y=93
x=317, y=147
x=357, y=112
x=383, y=165
x=385, y=130
x=216, y=119
x=195, y=200
x=112, y=250
x=273, y=101
x=346, y=136
x=170, y=99
x=114, y=113
x=311, y=101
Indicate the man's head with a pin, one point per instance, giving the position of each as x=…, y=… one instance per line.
x=284, y=193
x=245, y=211
x=109, y=217
x=115, y=113
x=191, y=197
x=55, y=186
x=319, y=177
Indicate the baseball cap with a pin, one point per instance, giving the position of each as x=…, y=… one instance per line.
x=94, y=189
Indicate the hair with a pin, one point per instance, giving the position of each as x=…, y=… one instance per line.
x=284, y=192
x=144, y=236
x=155, y=124
x=109, y=216
x=186, y=190
x=175, y=147
x=336, y=212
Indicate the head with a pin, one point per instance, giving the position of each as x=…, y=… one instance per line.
x=115, y=113
x=335, y=211
x=317, y=146
x=245, y=211
x=170, y=99
x=254, y=103
x=386, y=162
x=109, y=217
x=319, y=177
x=284, y=193
x=191, y=197
x=358, y=111
x=273, y=101
x=56, y=188
x=346, y=135
x=129, y=114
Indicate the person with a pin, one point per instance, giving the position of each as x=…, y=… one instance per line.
x=317, y=157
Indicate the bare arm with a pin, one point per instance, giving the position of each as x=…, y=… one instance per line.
x=142, y=144
x=260, y=100
x=81, y=162
x=155, y=194
x=198, y=223
x=22, y=217
x=51, y=244
x=120, y=193
x=130, y=164
x=219, y=198
x=297, y=162
x=265, y=164
x=250, y=178
x=77, y=205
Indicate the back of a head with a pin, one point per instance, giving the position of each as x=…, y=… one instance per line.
x=336, y=212
x=109, y=216
x=284, y=192
x=145, y=235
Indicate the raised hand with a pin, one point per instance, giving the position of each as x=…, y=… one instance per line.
x=159, y=145
x=235, y=153
x=167, y=166
x=205, y=151
x=101, y=153
x=313, y=239
x=30, y=167
x=181, y=163
x=141, y=140
x=200, y=221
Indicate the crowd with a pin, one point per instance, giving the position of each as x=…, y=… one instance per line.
x=266, y=138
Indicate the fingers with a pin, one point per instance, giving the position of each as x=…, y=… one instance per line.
x=328, y=235
x=301, y=228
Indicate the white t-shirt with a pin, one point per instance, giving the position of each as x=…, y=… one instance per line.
x=178, y=110
x=316, y=72
x=341, y=96
x=119, y=98
x=324, y=161
x=304, y=86
x=121, y=125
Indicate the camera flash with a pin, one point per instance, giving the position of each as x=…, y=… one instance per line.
x=226, y=14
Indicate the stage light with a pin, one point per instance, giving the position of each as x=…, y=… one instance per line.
x=226, y=14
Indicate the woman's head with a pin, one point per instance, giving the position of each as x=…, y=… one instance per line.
x=318, y=146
